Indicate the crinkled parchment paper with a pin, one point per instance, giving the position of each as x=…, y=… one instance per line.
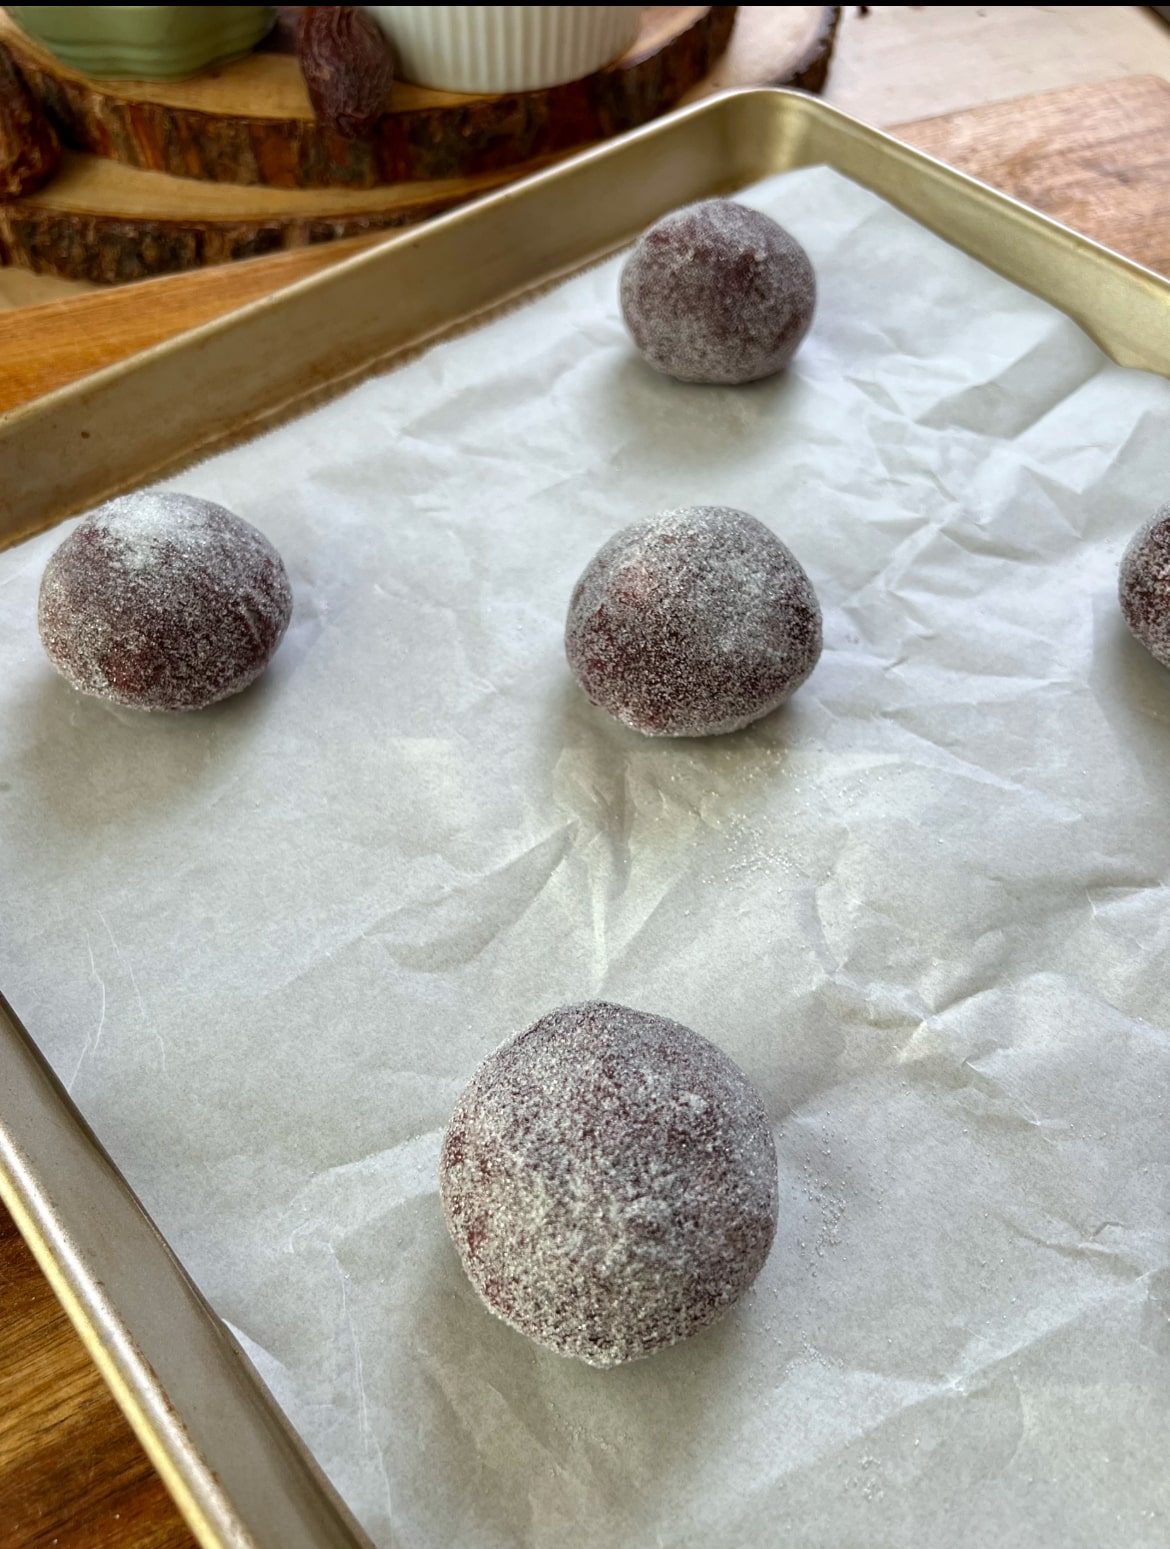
x=924, y=906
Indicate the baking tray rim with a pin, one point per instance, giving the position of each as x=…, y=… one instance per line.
x=82, y=443
x=1127, y=312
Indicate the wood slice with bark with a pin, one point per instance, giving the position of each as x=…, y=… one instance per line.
x=251, y=121
x=790, y=45
x=110, y=224
x=106, y=222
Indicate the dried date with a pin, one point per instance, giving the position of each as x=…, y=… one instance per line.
x=347, y=67
x=29, y=148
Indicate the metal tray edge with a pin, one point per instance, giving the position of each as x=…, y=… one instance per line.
x=148, y=1328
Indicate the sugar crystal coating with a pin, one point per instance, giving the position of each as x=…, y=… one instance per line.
x=163, y=601
x=609, y=1179
x=1144, y=586
x=718, y=292
x=696, y=622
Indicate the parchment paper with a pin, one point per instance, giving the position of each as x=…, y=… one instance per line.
x=924, y=906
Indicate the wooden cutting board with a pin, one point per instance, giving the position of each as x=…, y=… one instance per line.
x=71, y=1470
x=71, y=1474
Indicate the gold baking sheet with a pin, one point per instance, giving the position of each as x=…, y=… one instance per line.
x=237, y=1472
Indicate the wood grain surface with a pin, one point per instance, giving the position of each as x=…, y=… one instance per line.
x=1095, y=157
x=71, y=1474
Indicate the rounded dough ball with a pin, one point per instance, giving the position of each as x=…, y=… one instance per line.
x=1144, y=586
x=696, y=622
x=718, y=292
x=162, y=601
x=609, y=1179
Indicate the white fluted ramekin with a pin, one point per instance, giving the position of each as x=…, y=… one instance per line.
x=495, y=48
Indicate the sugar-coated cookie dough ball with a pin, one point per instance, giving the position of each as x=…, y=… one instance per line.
x=1144, y=586
x=163, y=601
x=718, y=292
x=609, y=1179
x=696, y=622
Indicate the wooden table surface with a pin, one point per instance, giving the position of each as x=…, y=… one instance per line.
x=71, y=1474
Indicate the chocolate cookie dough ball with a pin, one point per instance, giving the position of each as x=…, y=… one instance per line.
x=163, y=602
x=609, y=1179
x=1144, y=586
x=696, y=622
x=718, y=292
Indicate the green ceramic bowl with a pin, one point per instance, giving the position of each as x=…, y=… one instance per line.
x=144, y=42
